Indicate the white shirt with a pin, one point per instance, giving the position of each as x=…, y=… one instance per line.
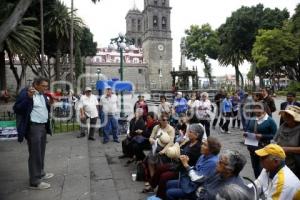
x=89, y=105
x=39, y=113
x=193, y=104
x=284, y=186
x=261, y=120
x=109, y=104
x=203, y=111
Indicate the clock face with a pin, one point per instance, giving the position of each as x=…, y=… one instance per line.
x=160, y=47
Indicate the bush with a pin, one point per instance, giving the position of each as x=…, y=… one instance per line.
x=294, y=86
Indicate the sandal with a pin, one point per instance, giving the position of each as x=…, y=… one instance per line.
x=148, y=189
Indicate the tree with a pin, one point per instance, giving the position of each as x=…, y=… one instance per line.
x=277, y=51
x=237, y=35
x=202, y=43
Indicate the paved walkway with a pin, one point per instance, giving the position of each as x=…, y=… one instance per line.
x=84, y=170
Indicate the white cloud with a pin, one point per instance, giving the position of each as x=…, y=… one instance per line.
x=107, y=18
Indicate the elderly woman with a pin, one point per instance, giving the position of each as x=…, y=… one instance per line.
x=164, y=106
x=264, y=128
x=288, y=136
x=157, y=156
x=136, y=128
x=203, y=112
x=227, y=172
x=167, y=172
x=204, y=168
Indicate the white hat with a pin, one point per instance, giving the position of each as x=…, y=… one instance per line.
x=88, y=89
x=173, y=151
x=163, y=138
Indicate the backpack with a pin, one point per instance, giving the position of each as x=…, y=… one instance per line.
x=142, y=173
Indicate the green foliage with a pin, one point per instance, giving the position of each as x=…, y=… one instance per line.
x=202, y=43
x=294, y=86
x=87, y=46
x=276, y=51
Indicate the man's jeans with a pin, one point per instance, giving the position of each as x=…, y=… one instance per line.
x=111, y=126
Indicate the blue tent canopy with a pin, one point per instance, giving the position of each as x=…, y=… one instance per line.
x=117, y=86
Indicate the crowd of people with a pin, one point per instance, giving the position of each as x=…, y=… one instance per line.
x=174, y=147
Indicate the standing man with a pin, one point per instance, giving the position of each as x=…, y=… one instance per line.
x=268, y=100
x=109, y=103
x=32, y=109
x=290, y=101
x=88, y=106
x=218, y=101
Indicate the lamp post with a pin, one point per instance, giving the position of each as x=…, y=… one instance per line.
x=121, y=43
x=98, y=72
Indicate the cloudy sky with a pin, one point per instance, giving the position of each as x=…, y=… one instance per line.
x=107, y=18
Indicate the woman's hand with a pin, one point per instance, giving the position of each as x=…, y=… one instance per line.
x=184, y=160
x=151, y=140
x=258, y=136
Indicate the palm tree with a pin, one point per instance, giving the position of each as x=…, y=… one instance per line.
x=58, y=23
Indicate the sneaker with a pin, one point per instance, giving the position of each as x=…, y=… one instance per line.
x=47, y=176
x=228, y=132
x=40, y=186
x=222, y=130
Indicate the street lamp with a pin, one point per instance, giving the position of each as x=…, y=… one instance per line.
x=121, y=43
x=98, y=72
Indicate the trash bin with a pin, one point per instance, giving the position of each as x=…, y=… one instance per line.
x=123, y=125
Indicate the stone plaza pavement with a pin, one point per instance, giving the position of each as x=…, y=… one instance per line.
x=85, y=170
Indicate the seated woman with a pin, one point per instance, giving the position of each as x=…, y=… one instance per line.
x=157, y=156
x=204, y=168
x=141, y=142
x=136, y=127
x=165, y=172
x=288, y=136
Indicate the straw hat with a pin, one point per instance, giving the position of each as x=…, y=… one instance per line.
x=163, y=138
x=293, y=111
x=173, y=151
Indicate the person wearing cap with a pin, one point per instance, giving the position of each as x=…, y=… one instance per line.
x=88, y=107
x=180, y=104
x=170, y=171
x=192, y=176
x=141, y=103
x=109, y=104
x=290, y=101
x=276, y=180
x=288, y=136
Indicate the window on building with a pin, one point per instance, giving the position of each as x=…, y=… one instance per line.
x=133, y=26
x=155, y=21
x=163, y=2
x=139, y=42
x=159, y=71
x=155, y=2
x=164, y=22
x=140, y=71
x=133, y=40
x=139, y=25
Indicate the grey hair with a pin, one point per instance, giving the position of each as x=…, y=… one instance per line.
x=204, y=94
x=39, y=80
x=236, y=161
x=234, y=191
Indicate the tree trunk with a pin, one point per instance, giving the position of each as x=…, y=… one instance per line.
x=12, y=21
x=15, y=71
x=237, y=80
x=57, y=65
x=2, y=71
x=242, y=80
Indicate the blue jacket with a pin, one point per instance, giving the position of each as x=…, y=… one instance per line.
x=23, y=107
x=180, y=105
x=206, y=166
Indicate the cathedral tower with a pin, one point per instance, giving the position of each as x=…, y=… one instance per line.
x=157, y=42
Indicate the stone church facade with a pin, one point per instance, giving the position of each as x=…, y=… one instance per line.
x=151, y=30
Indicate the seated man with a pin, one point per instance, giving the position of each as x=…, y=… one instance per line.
x=228, y=168
x=276, y=180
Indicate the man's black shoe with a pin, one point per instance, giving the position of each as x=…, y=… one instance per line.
x=81, y=136
x=104, y=142
x=90, y=138
x=122, y=156
x=117, y=141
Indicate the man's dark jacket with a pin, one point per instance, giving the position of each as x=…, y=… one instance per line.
x=23, y=107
